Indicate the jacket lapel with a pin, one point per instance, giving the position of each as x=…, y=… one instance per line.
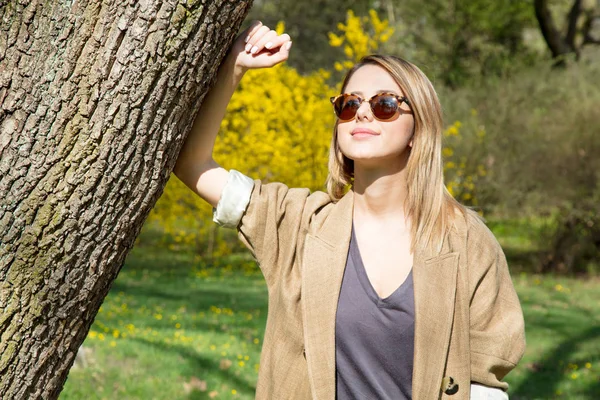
x=324, y=261
x=323, y=269
x=434, y=281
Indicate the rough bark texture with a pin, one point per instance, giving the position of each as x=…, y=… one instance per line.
x=96, y=98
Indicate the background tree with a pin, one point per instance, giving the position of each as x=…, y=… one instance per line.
x=576, y=32
x=96, y=99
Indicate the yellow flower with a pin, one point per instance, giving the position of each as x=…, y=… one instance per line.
x=335, y=40
x=348, y=51
x=452, y=131
x=280, y=28
x=558, y=287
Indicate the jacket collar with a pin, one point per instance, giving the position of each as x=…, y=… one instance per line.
x=434, y=281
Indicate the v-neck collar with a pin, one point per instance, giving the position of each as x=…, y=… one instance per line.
x=363, y=277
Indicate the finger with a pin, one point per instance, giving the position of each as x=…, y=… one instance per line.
x=268, y=38
x=277, y=41
x=263, y=30
x=283, y=53
x=252, y=29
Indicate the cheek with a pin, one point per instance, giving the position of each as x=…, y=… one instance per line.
x=406, y=127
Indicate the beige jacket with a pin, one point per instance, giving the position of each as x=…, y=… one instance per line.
x=469, y=328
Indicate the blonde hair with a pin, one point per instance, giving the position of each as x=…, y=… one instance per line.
x=429, y=206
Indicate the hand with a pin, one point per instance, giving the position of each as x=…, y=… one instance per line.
x=262, y=49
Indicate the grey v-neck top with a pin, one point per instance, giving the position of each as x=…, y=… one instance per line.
x=374, y=337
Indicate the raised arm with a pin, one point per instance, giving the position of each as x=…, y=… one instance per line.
x=195, y=165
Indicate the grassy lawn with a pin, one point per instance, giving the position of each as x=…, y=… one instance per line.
x=173, y=327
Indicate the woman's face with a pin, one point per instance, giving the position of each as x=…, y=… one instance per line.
x=390, y=138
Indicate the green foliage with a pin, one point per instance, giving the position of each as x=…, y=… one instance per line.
x=542, y=153
x=453, y=42
x=465, y=39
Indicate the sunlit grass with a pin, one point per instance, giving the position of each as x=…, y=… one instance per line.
x=562, y=319
x=175, y=327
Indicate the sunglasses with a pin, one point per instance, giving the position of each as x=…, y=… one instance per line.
x=383, y=105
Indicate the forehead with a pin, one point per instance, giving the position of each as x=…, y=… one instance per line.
x=369, y=79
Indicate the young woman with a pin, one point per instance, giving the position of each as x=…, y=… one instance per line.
x=389, y=290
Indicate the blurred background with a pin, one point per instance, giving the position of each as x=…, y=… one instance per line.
x=519, y=82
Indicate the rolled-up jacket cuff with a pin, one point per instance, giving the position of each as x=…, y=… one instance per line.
x=234, y=200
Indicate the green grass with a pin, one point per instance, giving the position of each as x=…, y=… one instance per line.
x=562, y=323
x=173, y=327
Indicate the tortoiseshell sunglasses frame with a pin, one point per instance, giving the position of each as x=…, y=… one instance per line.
x=400, y=99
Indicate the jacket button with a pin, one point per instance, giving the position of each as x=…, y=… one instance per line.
x=449, y=386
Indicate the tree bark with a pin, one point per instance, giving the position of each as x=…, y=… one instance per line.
x=96, y=99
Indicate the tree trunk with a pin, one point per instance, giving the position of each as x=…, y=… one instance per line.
x=578, y=32
x=556, y=43
x=96, y=99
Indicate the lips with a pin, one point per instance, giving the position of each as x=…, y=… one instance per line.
x=364, y=131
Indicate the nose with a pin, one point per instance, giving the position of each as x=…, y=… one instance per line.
x=364, y=111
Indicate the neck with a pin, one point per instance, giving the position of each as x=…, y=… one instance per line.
x=380, y=191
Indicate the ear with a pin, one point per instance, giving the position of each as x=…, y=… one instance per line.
x=410, y=144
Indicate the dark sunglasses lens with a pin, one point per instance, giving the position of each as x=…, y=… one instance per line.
x=346, y=106
x=385, y=106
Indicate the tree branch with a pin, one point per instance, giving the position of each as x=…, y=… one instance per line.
x=572, y=19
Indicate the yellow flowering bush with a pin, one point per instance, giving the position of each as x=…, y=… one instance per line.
x=278, y=126
x=461, y=179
